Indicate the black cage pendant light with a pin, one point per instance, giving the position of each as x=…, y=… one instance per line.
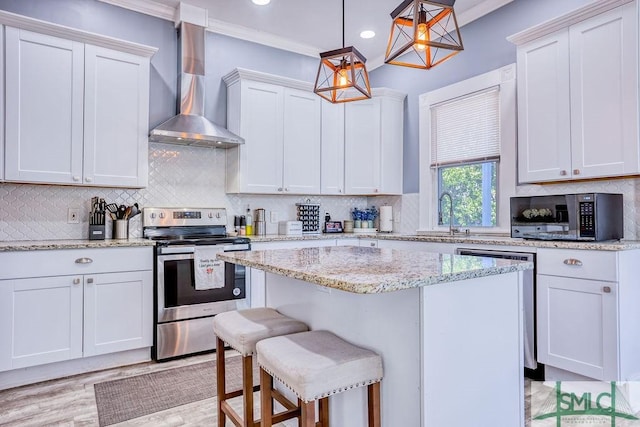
x=342, y=75
x=423, y=34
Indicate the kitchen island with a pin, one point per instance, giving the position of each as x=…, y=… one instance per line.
x=448, y=327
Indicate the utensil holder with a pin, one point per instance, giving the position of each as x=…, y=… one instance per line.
x=121, y=229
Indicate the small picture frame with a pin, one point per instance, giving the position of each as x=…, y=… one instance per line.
x=333, y=227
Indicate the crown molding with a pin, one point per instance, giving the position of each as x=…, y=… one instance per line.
x=147, y=7
x=44, y=27
x=239, y=74
x=261, y=37
x=479, y=11
x=561, y=22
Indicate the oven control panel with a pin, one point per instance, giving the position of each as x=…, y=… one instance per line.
x=171, y=217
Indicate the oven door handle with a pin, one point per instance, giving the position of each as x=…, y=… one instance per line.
x=176, y=250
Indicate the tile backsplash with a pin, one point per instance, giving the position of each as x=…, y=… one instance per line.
x=178, y=176
x=195, y=177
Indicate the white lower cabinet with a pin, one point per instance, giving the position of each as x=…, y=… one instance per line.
x=587, y=314
x=117, y=311
x=43, y=321
x=577, y=325
x=53, y=318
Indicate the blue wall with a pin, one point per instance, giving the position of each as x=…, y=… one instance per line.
x=486, y=49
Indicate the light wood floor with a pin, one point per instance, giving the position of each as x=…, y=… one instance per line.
x=71, y=401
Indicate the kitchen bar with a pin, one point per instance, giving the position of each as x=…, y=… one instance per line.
x=448, y=327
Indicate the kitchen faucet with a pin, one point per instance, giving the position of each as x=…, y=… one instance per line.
x=452, y=230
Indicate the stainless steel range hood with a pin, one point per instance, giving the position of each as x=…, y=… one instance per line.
x=190, y=127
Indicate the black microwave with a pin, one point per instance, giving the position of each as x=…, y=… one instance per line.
x=585, y=217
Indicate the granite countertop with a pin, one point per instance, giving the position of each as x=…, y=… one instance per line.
x=371, y=270
x=37, y=245
x=472, y=239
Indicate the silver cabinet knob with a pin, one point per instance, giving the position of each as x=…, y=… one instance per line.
x=89, y=280
x=153, y=216
x=576, y=171
x=563, y=173
x=76, y=178
x=339, y=190
x=606, y=289
x=76, y=281
x=280, y=189
x=161, y=215
x=572, y=261
x=373, y=245
x=84, y=260
x=210, y=214
x=88, y=179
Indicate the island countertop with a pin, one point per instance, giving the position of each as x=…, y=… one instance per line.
x=372, y=270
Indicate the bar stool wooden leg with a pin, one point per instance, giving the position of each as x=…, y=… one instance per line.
x=308, y=414
x=247, y=390
x=373, y=394
x=220, y=372
x=323, y=412
x=266, y=402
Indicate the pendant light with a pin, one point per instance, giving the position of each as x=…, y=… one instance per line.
x=423, y=34
x=342, y=75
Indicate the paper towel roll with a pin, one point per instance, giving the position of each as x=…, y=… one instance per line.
x=386, y=218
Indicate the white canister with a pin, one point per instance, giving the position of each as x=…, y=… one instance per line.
x=386, y=219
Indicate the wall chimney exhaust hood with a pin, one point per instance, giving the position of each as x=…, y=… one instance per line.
x=190, y=127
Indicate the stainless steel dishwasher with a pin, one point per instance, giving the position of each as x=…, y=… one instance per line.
x=532, y=368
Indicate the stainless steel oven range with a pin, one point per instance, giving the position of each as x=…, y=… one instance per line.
x=191, y=287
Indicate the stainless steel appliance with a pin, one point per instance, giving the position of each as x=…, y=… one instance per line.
x=585, y=217
x=532, y=368
x=184, y=310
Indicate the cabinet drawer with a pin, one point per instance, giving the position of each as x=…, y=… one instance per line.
x=585, y=264
x=42, y=263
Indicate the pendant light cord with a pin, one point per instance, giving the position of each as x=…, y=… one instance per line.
x=342, y=23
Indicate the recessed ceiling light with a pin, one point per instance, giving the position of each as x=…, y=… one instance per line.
x=261, y=2
x=368, y=34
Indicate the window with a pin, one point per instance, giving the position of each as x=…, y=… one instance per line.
x=467, y=145
x=465, y=151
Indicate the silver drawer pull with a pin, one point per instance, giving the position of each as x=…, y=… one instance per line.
x=84, y=260
x=89, y=280
x=572, y=261
x=76, y=281
x=606, y=290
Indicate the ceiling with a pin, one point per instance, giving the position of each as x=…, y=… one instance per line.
x=305, y=26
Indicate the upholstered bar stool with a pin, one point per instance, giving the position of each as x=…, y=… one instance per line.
x=316, y=365
x=242, y=329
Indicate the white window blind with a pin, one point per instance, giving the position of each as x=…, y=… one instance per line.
x=466, y=129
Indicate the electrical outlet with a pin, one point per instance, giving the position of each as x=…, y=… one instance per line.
x=274, y=217
x=73, y=216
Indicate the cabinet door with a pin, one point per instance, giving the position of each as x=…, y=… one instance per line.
x=262, y=127
x=332, y=159
x=118, y=312
x=116, y=118
x=604, y=94
x=544, y=130
x=391, y=145
x=44, y=321
x=44, y=99
x=301, y=139
x=577, y=326
x=362, y=147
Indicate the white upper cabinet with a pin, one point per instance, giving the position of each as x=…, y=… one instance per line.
x=281, y=128
x=76, y=113
x=578, y=96
x=332, y=161
x=116, y=118
x=44, y=99
x=544, y=128
x=302, y=136
x=374, y=144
